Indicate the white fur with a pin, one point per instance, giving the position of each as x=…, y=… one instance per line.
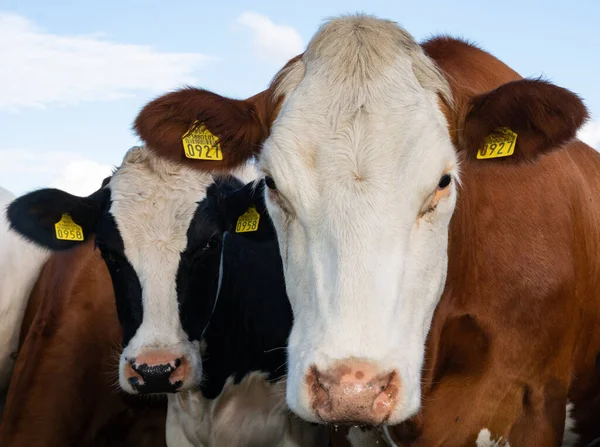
x=570, y=438
x=356, y=152
x=484, y=439
x=246, y=172
x=20, y=265
x=251, y=413
x=187, y=421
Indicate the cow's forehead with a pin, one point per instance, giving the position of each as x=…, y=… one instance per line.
x=154, y=200
x=352, y=118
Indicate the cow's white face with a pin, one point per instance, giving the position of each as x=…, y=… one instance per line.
x=161, y=239
x=359, y=158
x=153, y=203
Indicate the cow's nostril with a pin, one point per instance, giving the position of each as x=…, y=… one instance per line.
x=319, y=387
x=146, y=370
x=147, y=375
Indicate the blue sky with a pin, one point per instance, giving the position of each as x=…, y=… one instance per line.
x=74, y=74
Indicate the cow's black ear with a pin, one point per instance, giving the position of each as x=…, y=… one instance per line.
x=246, y=212
x=55, y=219
x=106, y=181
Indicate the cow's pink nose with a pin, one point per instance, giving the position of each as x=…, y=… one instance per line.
x=353, y=392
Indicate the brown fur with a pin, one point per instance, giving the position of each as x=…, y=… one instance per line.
x=543, y=116
x=240, y=125
x=64, y=392
x=517, y=329
x=163, y=122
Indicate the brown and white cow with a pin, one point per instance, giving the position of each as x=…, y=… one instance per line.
x=366, y=140
x=20, y=265
x=64, y=390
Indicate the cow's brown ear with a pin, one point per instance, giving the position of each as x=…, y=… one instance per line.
x=520, y=120
x=182, y=126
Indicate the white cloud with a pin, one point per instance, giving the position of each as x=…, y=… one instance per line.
x=590, y=134
x=22, y=171
x=82, y=177
x=38, y=68
x=275, y=43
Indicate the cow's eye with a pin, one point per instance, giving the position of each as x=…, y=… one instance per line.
x=445, y=181
x=442, y=191
x=212, y=243
x=270, y=183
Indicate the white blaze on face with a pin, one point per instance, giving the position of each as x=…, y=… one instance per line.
x=357, y=153
x=153, y=203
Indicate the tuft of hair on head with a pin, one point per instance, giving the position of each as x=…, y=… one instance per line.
x=362, y=45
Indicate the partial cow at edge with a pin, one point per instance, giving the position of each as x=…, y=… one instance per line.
x=20, y=264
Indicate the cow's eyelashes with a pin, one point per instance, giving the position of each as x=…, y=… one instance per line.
x=270, y=183
x=442, y=191
x=212, y=243
x=445, y=181
x=275, y=195
x=203, y=252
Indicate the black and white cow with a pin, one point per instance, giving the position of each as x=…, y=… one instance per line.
x=151, y=224
x=243, y=395
x=160, y=228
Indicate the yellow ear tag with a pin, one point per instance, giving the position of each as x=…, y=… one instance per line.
x=248, y=221
x=199, y=143
x=67, y=230
x=501, y=143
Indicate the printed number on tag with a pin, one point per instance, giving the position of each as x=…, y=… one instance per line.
x=200, y=144
x=499, y=144
x=248, y=221
x=67, y=230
